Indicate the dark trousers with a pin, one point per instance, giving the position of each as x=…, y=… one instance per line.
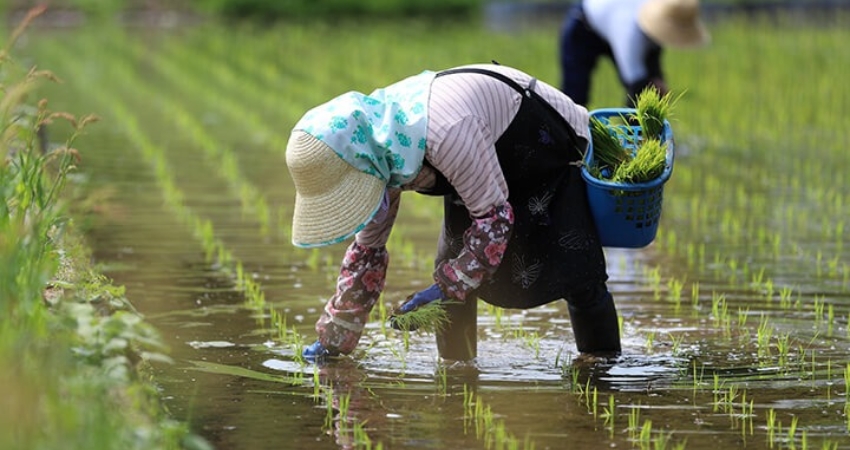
x=580, y=48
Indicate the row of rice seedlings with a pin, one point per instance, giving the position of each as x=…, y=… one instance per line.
x=219, y=156
x=341, y=423
x=733, y=400
x=218, y=72
x=725, y=399
x=759, y=104
x=730, y=400
x=287, y=336
x=734, y=229
x=214, y=248
x=826, y=266
x=777, y=437
x=643, y=436
x=480, y=417
x=248, y=63
x=238, y=99
x=181, y=65
x=771, y=346
x=807, y=170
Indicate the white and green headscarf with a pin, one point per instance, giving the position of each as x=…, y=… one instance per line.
x=381, y=134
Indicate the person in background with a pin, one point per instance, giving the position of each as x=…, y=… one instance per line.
x=633, y=34
x=503, y=149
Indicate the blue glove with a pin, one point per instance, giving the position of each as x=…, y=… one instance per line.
x=316, y=352
x=421, y=298
x=417, y=300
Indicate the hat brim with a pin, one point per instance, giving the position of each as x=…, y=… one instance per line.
x=668, y=33
x=339, y=212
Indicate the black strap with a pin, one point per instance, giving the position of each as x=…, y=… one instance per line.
x=528, y=92
x=505, y=79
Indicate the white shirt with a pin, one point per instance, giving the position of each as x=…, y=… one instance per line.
x=616, y=22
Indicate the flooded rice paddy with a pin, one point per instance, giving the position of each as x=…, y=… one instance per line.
x=735, y=321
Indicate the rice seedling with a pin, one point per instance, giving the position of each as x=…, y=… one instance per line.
x=785, y=297
x=647, y=164
x=830, y=319
x=623, y=155
x=695, y=295
x=488, y=429
x=783, y=347
x=791, y=434
x=720, y=312
x=645, y=435
x=329, y=408
x=431, y=317
x=317, y=384
x=608, y=152
x=674, y=290
x=634, y=420
x=847, y=383
x=572, y=373
x=609, y=414
x=529, y=338
x=764, y=335
x=743, y=328
x=818, y=305
x=772, y=425
x=650, y=340
x=442, y=380
x=595, y=403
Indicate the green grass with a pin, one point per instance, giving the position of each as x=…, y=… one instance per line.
x=74, y=353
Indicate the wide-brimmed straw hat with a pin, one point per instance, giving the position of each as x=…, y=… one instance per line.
x=673, y=23
x=334, y=200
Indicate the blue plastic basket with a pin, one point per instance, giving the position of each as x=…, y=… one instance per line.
x=626, y=215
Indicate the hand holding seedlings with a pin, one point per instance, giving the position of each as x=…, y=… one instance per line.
x=422, y=310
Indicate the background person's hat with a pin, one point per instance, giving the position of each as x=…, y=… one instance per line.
x=673, y=23
x=334, y=200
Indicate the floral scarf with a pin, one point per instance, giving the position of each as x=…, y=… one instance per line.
x=382, y=134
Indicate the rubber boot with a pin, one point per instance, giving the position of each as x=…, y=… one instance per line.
x=458, y=341
x=593, y=317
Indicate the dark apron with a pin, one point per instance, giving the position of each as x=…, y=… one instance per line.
x=554, y=250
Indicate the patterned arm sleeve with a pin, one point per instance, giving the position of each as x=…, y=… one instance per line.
x=359, y=285
x=484, y=244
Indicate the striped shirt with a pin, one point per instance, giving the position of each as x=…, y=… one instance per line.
x=468, y=113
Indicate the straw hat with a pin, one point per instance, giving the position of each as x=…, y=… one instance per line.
x=673, y=23
x=334, y=200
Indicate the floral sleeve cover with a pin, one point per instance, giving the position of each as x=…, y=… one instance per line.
x=484, y=244
x=359, y=285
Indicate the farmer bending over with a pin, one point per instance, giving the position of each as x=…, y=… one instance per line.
x=632, y=33
x=502, y=149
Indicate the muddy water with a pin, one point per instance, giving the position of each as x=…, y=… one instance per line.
x=416, y=401
x=751, y=352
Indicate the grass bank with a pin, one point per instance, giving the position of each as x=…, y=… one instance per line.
x=73, y=352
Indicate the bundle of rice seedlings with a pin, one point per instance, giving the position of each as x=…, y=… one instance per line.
x=607, y=151
x=649, y=163
x=644, y=157
x=652, y=109
x=431, y=317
